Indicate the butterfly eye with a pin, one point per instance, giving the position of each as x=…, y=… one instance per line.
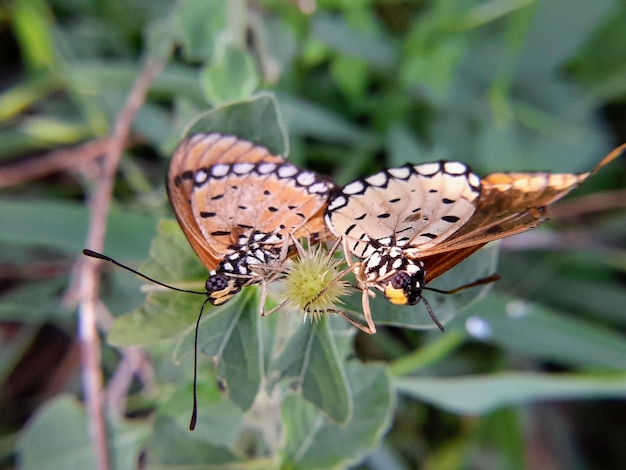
x=400, y=280
x=216, y=283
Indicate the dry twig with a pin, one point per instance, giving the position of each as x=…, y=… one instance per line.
x=32, y=168
x=89, y=268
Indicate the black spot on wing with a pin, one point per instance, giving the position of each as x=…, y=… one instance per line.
x=450, y=218
x=349, y=229
x=428, y=235
x=206, y=215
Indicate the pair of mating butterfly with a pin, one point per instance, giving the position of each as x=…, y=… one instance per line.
x=243, y=211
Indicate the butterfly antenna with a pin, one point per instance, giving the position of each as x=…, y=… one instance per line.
x=95, y=254
x=480, y=282
x=194, y=413
x=432, y=315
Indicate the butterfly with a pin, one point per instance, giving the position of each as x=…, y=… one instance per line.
x=241, y=207
x=408, y=225
x=243, y=210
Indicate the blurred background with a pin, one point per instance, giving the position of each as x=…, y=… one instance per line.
x=360, y=86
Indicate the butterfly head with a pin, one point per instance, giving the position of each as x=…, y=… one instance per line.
x=404, y=287
x=397, y=276
x=220, y=287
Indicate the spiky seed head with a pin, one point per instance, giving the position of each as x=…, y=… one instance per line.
x=311, y=285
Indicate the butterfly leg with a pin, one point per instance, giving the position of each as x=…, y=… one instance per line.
x=275, y=309
x=346, y=251
x=284, y=250
x=365, y=303
x=351, y=320
x=263, y=299
x=298, y=245
x=333, y=249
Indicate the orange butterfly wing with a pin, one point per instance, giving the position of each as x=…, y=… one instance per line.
x=509, y=203
x=221, y=186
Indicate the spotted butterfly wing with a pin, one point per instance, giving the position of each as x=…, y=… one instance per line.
x=239, y=205
x=510, y=203
x=409, y=225
x=408, y=207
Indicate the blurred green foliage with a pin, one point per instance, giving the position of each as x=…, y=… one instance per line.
x=345, y=88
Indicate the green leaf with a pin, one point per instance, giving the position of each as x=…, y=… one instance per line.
x=308, y=119
x=36, y=302
x=57, y=437
x=256, y=119
x=219, y=421
x=232, y=77
x=351, y=75
x=200, y=26
x=165, y=314
x=333, y=30
x=526, y=328
x=311, y=361
x=63, y=226
x=312, y=441
x=403, y=146
x=432, y=62
x=21, y=96
x=94, y=77
x=172, y=447
x=543, y=52
x=32, y=24
x=160, y=39
x=482, y=394
x=229, y=334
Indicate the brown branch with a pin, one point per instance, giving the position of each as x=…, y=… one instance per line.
x=31, y=168
x=88, y=271
x=134, y=363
